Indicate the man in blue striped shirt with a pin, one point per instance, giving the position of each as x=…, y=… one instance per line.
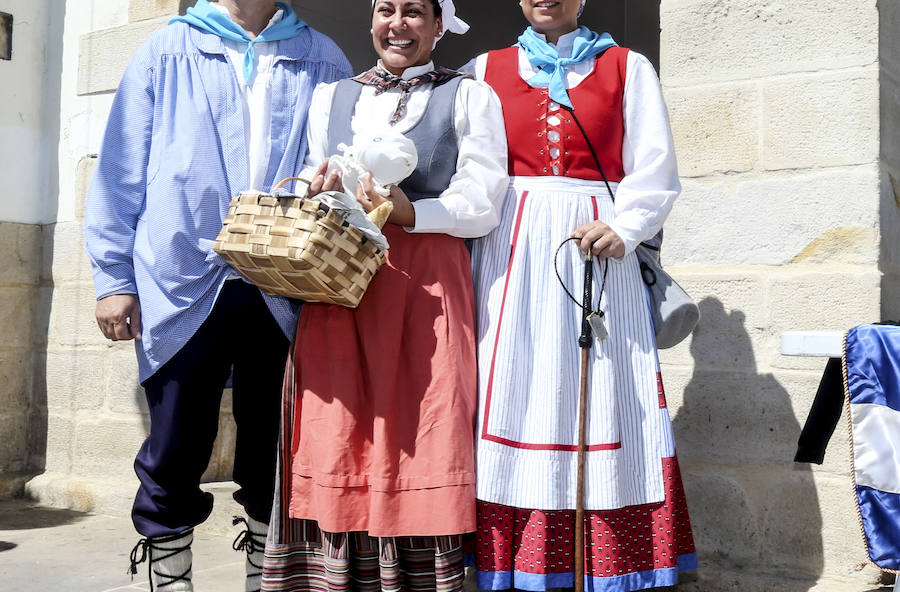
x=211, y=105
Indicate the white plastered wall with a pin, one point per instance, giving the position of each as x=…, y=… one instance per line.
x=24, y=143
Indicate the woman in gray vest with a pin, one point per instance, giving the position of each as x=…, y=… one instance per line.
x=381, y=399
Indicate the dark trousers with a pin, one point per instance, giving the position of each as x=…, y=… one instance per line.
x=184, y=396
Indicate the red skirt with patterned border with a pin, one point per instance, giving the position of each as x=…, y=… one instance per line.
x=631, y=548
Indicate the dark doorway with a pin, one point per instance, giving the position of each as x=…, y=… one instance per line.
x=495, y=24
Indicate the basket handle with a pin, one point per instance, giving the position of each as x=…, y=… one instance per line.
x=284, y=182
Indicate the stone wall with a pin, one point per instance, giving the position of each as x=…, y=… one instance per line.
x=20, y=419
x=778, y=228
x=29, y=101
x=890, y=157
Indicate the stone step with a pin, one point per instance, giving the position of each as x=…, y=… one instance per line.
x=114, y=498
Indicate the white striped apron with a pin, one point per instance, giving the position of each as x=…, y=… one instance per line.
x=529, y=361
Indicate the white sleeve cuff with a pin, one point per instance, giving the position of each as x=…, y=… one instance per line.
x=432, y=216
x=628, y=238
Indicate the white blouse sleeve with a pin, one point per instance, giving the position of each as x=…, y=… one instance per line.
x=645, y=196
x=470, y=206
x=476, y=66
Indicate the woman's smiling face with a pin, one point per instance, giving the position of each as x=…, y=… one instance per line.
x=403, y=33
x=552, y=16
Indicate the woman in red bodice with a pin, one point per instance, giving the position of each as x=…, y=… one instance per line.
x=638, y=534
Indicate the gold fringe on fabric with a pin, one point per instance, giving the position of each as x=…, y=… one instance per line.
x=859, y=517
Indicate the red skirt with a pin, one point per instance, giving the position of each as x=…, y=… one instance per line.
x=631, y=548
x=385, y=399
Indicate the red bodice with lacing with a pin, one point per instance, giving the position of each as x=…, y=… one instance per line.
x=543, y=138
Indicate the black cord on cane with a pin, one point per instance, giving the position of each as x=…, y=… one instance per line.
x=584, y=340
x=585, y=306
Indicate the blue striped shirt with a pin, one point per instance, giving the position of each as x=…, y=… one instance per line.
x=173, y=155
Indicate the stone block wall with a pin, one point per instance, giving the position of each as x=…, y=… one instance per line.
x=139, y=10
x=889, y=60
x=781, y=226
x=28, y=105
x=20, y=267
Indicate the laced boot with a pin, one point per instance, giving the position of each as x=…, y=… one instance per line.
x=170, y=561
x=252, y=540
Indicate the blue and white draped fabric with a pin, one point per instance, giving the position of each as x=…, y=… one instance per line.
x=552, y=67
x=872, y=373
x=206, y=17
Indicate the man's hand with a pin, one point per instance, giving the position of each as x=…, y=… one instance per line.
x=119, y=317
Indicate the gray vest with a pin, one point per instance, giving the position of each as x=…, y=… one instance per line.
x=434, y=136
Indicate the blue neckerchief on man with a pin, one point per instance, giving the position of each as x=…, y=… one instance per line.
x=206, y=17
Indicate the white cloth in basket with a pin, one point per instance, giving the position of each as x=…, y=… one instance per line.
x=390, y=156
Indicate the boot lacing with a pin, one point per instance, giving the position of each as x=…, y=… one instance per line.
x=251, y=543
x=146, y=546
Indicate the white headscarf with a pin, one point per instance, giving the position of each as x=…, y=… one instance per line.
x=452, y=23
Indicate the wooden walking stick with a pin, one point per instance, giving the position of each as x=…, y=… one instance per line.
x=584, y=342
x=592, y=327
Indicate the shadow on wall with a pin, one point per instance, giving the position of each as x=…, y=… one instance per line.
x=752, y=508
x=889, y=102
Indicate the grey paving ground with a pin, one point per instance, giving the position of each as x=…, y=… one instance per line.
x=50, y=550
x=44, y=550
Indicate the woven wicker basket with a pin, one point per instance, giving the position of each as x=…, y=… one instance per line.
x=297, y=247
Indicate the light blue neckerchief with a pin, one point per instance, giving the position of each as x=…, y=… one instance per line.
x=208, y=18
x=552, y=68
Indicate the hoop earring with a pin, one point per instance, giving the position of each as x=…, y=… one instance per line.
x=581, y=10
